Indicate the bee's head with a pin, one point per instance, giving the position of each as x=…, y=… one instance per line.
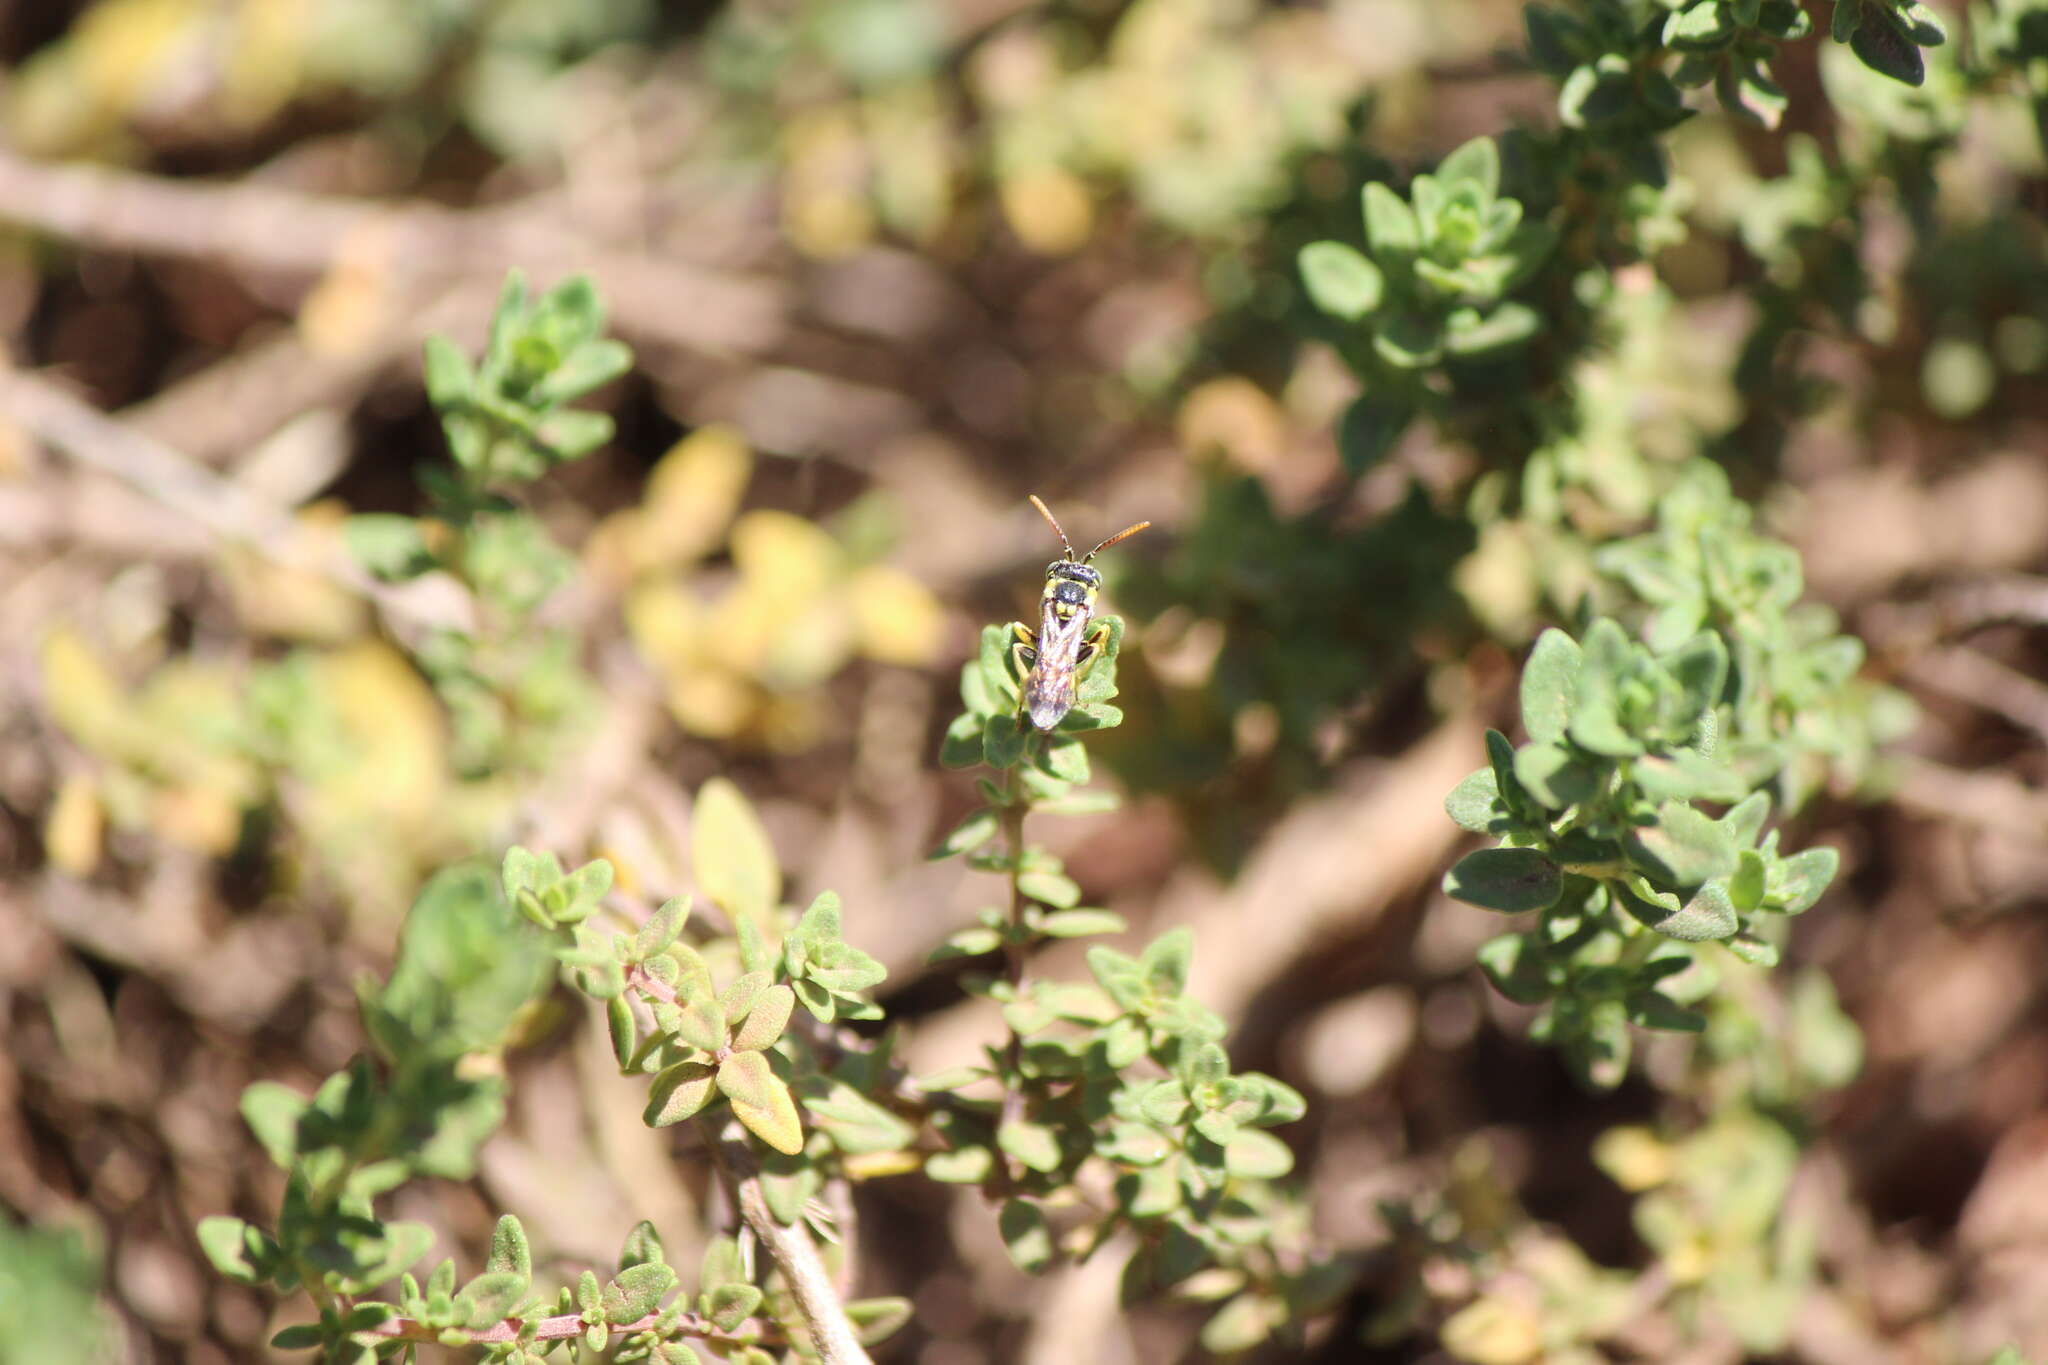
x=1071, y=583
x=1072, y=570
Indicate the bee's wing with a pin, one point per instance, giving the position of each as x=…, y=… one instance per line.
x=1049, y=690
x=1049, y=694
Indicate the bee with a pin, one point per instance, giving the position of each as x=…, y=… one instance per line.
x=1061, y=648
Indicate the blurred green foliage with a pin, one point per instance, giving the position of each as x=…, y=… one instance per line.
x=49, y=1305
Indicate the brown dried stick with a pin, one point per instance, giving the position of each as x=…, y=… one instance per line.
x=168, y=478
x=260, y=227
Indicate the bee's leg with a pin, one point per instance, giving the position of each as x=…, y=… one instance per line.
x=1089, y=648
x=1025, y=644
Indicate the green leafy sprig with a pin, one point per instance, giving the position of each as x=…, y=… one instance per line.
x=513, y=687
x=1734, y=692
x=1127, y=1072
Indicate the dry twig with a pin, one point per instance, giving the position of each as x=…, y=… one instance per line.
x=181, y=486
x=262, y=228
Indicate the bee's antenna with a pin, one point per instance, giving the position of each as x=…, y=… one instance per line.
x=1046, y=512
x=1124, y=534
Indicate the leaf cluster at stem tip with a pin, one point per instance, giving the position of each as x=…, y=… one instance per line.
x=1631, y=821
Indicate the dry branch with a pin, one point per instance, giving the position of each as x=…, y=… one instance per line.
x=257, y=227
x=181, y=486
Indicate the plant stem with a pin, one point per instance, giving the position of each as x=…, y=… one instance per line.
x=1016, y=961
x=562, y=1326
x=795, y=1255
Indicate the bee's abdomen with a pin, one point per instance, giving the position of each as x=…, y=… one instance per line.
x=1046, y=701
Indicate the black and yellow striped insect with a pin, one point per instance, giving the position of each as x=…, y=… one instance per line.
x=1059, y=651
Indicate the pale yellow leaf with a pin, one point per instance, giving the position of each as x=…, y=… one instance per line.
x=730, y=852
x=75, y=829
x=898, y=621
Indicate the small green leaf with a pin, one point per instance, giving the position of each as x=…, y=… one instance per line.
x=1002, y=740
x=1081, y=923
x=642, y=1247
x=1745, y=820
x=843, y=968
x=731, y=1304
x=964, y=741
x=1134, y=1144
x=1243, y=1323
x=1341, y=282
x=1558, y=776
x=663, y=927
x=1801, y=879
x=619, y=1025
x=1550, y=681
x=1407, y=340
x=570, y=312
x=272, y=1112
x=1468, y=332
x=239, y=1251
x=1033, y=1144
x=966, y=943
x=589, y=366
x=1708, y=916
x=1051, y=888
x=1687, y=776
x=486, y=1299
x=766, y=1021
x=856, y=1124
x=678, y=1093
x=1701, y=667
x=1166, y=961
x=572, y=433
x=995, y=658
x=1753, y=950
x=450, y=384
x=701, y=1024
x=1746, y=886
x=582, y=889
x=509, y=1249
x=636, y=1292
x=722, y=1264
x=1652, y=1009
x=739, y=997
x=1702, y=27
x=1510, y=880
x=1923, y=24
x=1514, y=966
x=1684, y=847
x=1371, y=427
x=1253, y=1154
x=1064, y=757
x=876, y=1320
x=391, y=547
x=964, y=1166
x=1880, y=43
x=1026, y=1235
x=820, y=920
x=1475, y=163
x=1475, y=804
x=970, y=834
x=1389, y=223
